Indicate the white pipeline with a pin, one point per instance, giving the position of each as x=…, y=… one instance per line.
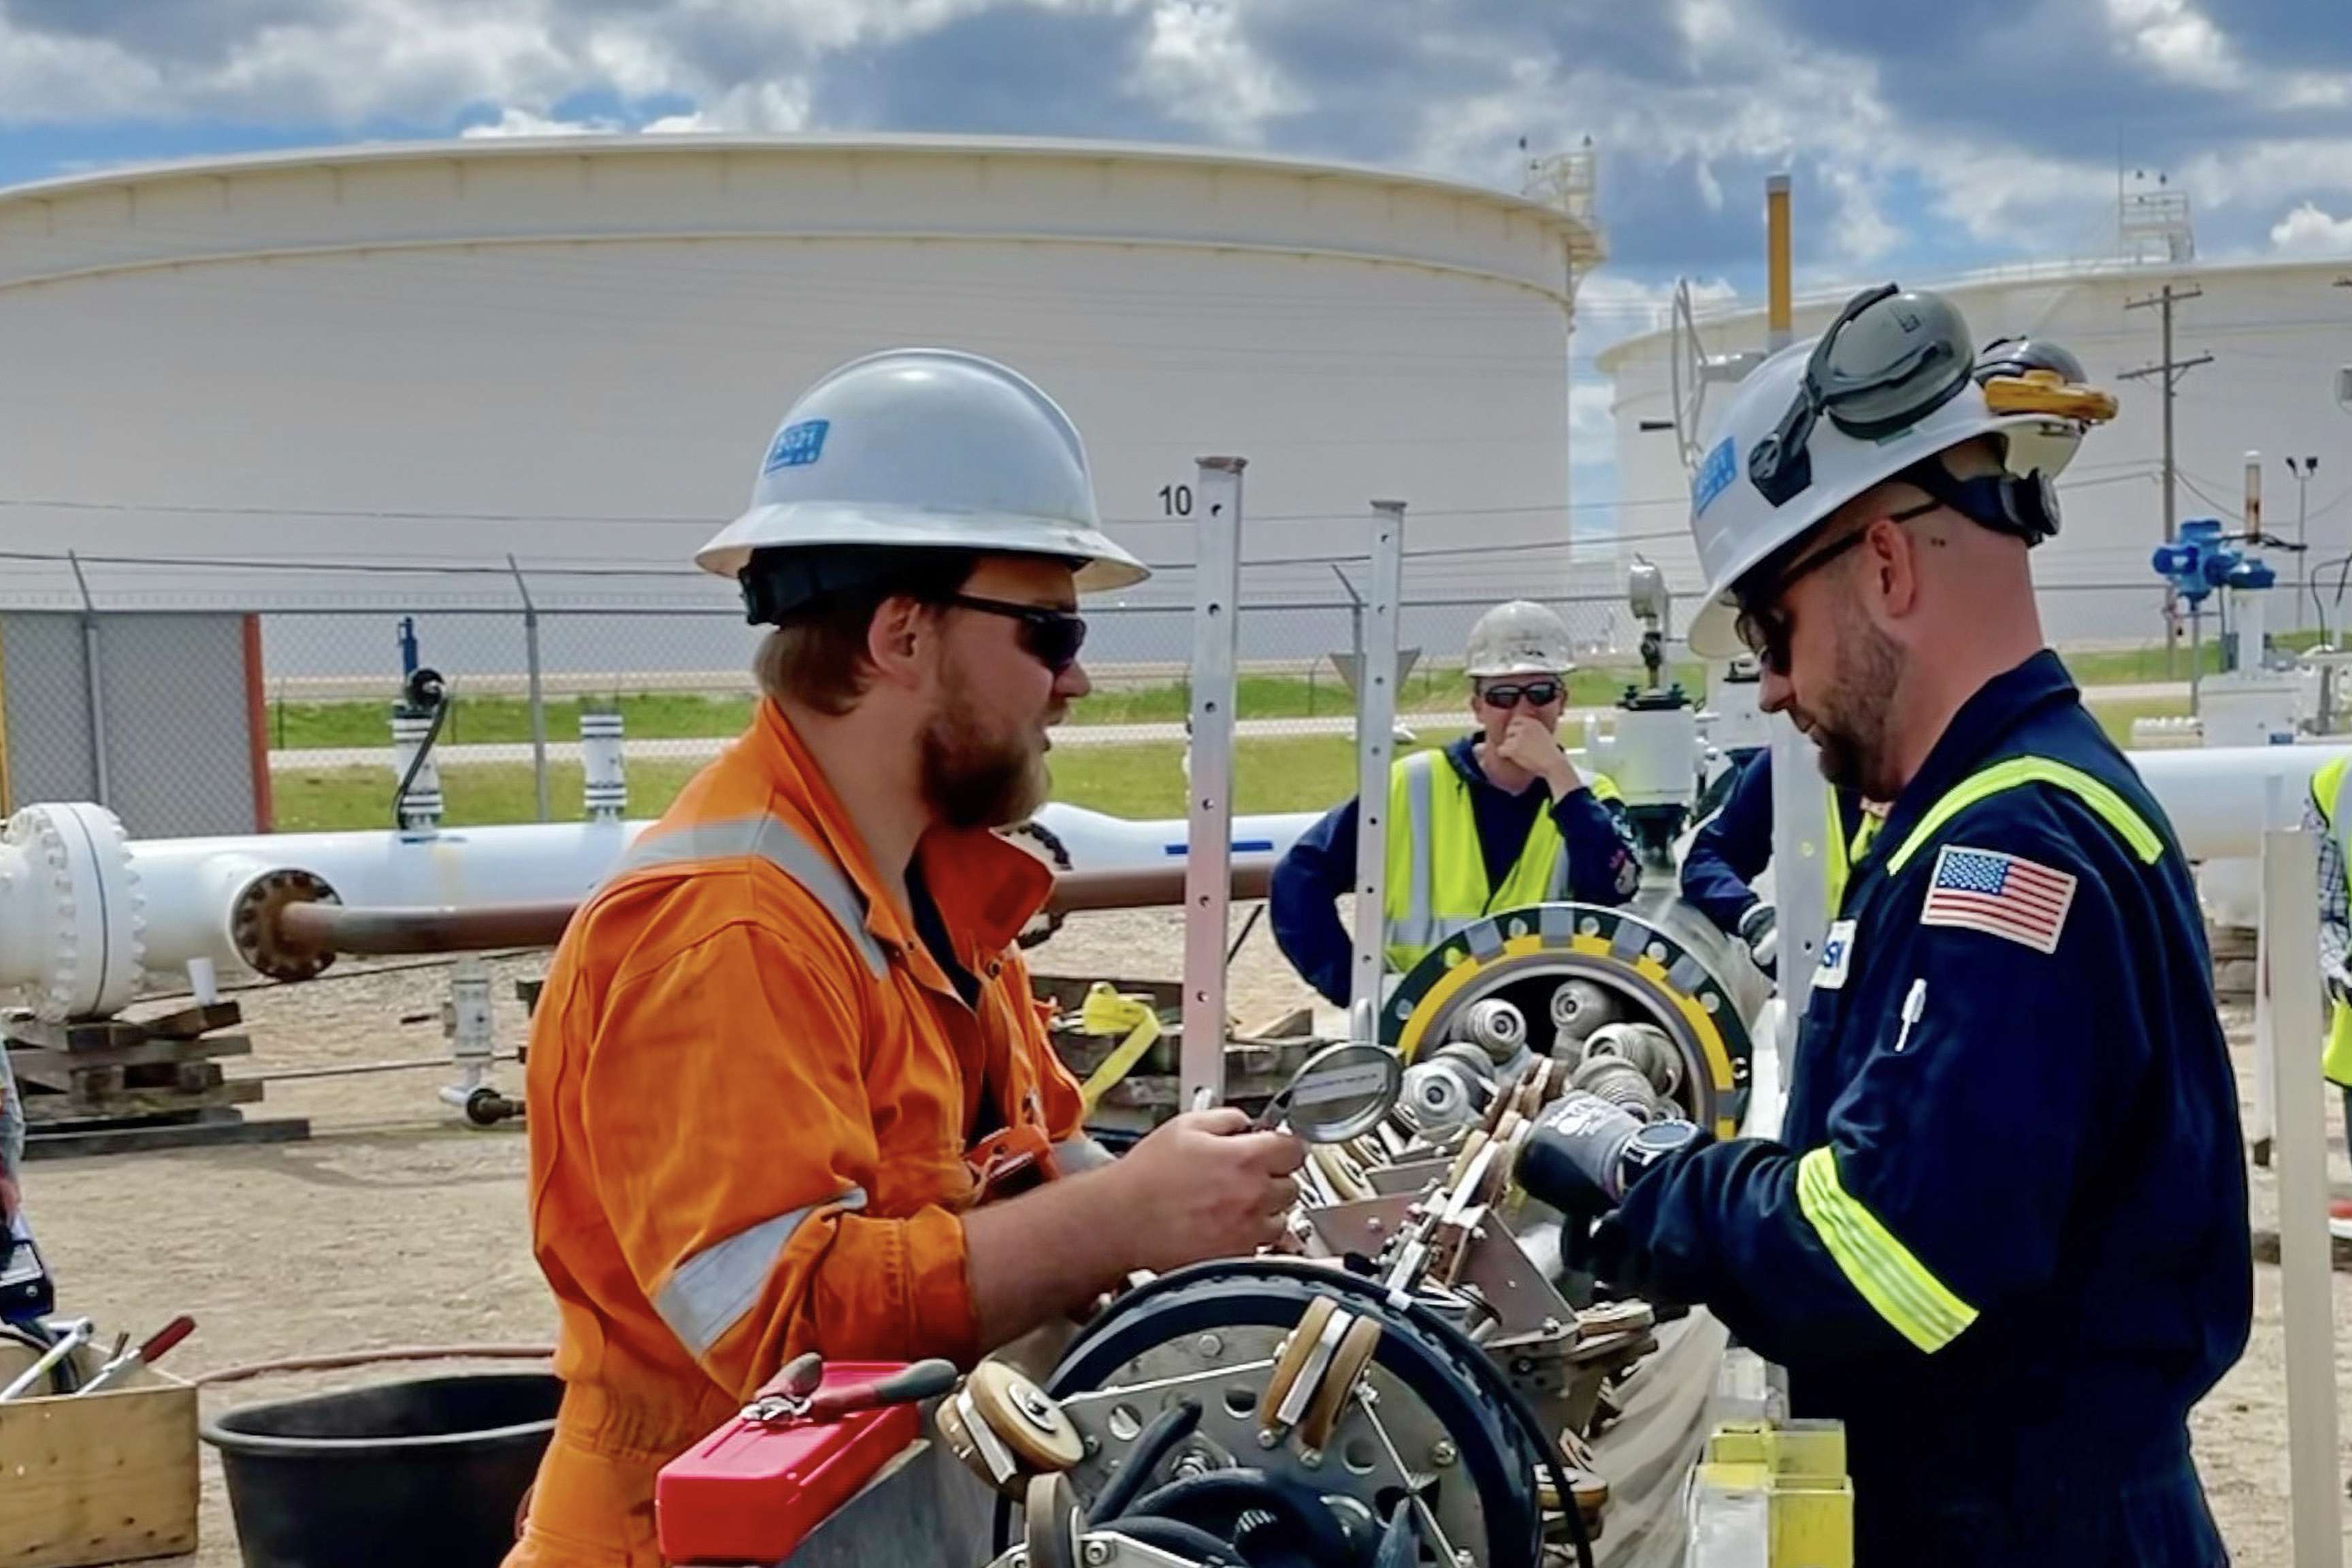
x=88, y=919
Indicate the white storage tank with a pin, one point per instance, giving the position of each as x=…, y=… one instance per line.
x=2277, y=331
x=574, y=350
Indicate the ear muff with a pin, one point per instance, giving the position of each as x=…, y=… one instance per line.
x=2024, y=506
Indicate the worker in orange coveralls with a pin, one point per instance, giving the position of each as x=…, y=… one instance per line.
x=788, y=1088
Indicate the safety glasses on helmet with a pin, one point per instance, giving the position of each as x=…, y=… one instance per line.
x=1534, y=693
x=1906, y=361
x=1764, y=623
x=1051, y=636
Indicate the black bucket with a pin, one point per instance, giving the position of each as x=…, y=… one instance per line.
x=400, y=1474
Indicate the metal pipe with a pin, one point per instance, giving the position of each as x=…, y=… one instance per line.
x=363, y=1069
x=384, y=930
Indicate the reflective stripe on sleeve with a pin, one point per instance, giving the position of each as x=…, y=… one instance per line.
x=1910, y=1298
x=710, y=1292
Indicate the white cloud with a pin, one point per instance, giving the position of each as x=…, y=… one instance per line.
x=523, y=122
x=1610, y=306
x=766, y=108
x=2178, y=40
x=2309, y=231
x=2262, y=174
x=1859, y=233
x=1198, y=68
x=1590, y=426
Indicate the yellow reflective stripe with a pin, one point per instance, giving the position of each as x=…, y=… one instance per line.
x=1913, y=1301
x=1841, y=861
x=2134, y=831
x=1603, y=787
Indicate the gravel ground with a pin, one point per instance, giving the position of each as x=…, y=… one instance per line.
x=398, y=1225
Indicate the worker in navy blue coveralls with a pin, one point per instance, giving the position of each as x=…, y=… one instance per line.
x=1499, y=819
x=2002, y=1236
x=1734, y=844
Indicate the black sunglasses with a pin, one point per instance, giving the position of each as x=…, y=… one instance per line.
x=1536, y=693
x=1051, y=636
x=1764, y=625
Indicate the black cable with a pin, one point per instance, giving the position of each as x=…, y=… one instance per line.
x=1168, y=1428
x=1212, y=1497
x=1248, y=926
x=416, y=763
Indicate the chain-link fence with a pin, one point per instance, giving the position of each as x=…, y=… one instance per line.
x=277, y=708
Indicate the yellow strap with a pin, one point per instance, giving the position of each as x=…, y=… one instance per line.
x=2134, y=831
x=1909, y=1297
x=1106, y=1012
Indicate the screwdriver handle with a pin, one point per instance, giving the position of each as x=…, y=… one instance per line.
x=164, y=1337
x=924, y=1380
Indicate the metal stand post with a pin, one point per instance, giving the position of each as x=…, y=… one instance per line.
x=538, y=699
x=1801, y=885
x=94, y=672
x=2290, y=968
x=1375, y=746
x=1208, y=861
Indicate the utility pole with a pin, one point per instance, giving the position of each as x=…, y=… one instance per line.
x=2172, y=370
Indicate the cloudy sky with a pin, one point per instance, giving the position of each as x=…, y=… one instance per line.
x=1923, y=138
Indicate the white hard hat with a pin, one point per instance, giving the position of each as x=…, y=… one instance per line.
x=1886, y=388
x=1521, y=637
x=927, y=448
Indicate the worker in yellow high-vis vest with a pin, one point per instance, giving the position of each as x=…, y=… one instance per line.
x=1499, y=820
x=1734, y=844
x=2325, y=821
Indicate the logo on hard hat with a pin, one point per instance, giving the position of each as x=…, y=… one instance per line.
x=797, y=446
x=1714, y=475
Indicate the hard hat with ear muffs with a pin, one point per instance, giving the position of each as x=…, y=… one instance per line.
x=1881, y=396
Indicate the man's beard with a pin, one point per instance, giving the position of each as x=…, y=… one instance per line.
x=973, y=780
x=1851, y=722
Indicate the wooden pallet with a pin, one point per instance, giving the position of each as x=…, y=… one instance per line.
x=117, y=1085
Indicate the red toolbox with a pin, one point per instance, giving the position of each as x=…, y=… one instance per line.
x=752, y=1490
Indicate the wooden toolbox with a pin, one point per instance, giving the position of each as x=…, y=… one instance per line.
x=109, y=1476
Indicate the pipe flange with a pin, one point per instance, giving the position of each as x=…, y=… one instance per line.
x=81, y=877
x=1660, y=977
x=253, y=923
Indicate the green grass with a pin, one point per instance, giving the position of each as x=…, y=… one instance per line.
x=661, y=716
x=1295, y=774
x=2116, y=715
x=2139, y=666
x=1305, y=774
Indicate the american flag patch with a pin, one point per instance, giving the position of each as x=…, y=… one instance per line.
x=2000, y=895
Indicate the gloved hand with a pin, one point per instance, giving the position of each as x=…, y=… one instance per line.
x=1759, y=928
x=1576, y=1153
